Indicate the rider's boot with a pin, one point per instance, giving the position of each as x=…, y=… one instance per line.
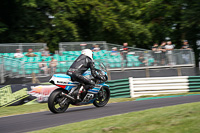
x=79, y=93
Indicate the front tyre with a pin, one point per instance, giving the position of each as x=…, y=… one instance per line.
x=57, y=102
x=102, y=97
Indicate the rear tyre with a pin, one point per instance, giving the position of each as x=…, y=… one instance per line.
x=57, y=102
x=102, y=97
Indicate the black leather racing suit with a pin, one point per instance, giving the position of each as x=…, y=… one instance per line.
x=80, y=65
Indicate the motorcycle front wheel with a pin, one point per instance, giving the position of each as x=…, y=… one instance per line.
x=57, y=102
x=102, y=97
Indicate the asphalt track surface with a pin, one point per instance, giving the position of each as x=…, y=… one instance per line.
x=41, y=120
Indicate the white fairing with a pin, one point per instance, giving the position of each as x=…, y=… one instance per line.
x=60, y=81
x=88, y=53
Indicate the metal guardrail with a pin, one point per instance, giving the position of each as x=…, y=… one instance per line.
x=163, y=85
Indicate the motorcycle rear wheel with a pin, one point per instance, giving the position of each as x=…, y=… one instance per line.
x=57, y=102
x=102, y=100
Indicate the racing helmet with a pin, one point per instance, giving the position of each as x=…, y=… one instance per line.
x=88, y=53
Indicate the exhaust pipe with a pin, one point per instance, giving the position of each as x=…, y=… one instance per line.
x=70, y=97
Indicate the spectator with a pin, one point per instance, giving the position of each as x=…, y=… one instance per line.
x=185, y=45
x=53, y=64
x=43, y=66
x=163, y=53
x=186, y=52
x=169, y=52
x=93, y=46
x=114, y=51
x=124, y=52
x=30, y=53
x=96, y=48
x=156, y=53
x=18, y=54
x=142, y=60
x=83, y=46
x=45, y=52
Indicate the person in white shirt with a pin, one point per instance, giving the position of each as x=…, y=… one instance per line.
x=169, y=48
x=43, y=66
x=96, y=48
x=45, y=52
x=18, y=54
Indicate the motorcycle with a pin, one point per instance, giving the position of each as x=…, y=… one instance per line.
x=60, y=99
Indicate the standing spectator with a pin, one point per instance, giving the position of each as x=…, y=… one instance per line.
x=124, y=52
x=186, y=52
x=18, y=54
x=45, y=52
x=163, y=53
x=83, y=46
x=43, y=66
x=93, y=46
x=142, y=60
x=114, y=51
x=96, y=48
x=169, y=51
x=53, y=64
x=156, y=53
x=30, y=53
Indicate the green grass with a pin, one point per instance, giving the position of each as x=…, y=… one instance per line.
x=37, y=107
x=188, y=93
x=182, y=118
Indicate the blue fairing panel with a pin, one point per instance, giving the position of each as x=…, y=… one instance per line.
x=86, y=73
x=61, y=76
x=69, y=87
x=103, y=84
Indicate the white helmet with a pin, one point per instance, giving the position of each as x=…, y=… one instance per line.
x=88, y=53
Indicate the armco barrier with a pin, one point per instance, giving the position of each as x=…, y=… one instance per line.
x=158, y=85
x=119, y=88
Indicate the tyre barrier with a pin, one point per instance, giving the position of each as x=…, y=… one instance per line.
x=119, y=88
x=194, y=83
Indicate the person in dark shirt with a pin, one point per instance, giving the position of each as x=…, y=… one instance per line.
x=142, y=60
x=185, y=45
x=156, y=53
x=186, y=52
x=124, y=51
x=163, y=53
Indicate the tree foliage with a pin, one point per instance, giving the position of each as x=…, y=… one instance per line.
x=138, y=22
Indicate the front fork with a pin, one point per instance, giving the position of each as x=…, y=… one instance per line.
x=101, y=94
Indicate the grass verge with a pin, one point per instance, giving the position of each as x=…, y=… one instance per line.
x=182, y=118
x=37, y=107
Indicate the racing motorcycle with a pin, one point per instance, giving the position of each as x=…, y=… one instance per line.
x=60, y=99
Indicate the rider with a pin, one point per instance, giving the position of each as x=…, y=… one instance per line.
x=82, y=64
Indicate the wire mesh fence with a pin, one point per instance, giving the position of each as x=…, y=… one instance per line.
x=101, y=45
x=43, y=66
x=148, y=58
x=11, y=47
x=77, y=46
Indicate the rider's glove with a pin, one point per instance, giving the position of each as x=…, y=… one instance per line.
x=103, y=78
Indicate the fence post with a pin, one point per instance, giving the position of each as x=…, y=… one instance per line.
x=131, y=86
x=2, y=70
x=179, y=71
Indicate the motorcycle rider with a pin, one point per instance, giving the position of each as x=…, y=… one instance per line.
x=79, y=66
